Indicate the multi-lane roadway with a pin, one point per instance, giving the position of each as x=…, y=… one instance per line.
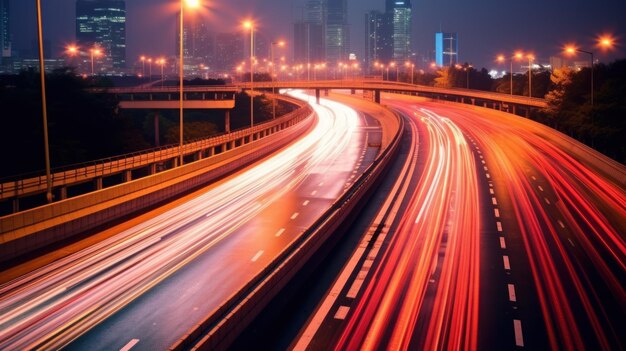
x=512, y=238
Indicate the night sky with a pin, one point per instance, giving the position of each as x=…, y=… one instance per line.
x=486, y=27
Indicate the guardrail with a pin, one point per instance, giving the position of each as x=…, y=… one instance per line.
x=28, y=184
x=220, y=327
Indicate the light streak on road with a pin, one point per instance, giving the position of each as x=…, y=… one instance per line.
x=53, y=305
x=441, y=216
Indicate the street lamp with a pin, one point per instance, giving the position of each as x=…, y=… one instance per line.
x=412, y=65
x=72, y=51
x=181, y=70
x=143, y=65
x=44, y=111
x=281, y=44
x=531, y=58
x=161, y=62
x=94, y=52
x=393, y=64
x=517, y=56
x=150, y=68
x=605, y=42
x=250, y=25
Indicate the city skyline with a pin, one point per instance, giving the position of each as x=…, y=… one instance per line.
x=551, y=25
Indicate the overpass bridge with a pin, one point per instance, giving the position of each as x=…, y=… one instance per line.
x=506, y=102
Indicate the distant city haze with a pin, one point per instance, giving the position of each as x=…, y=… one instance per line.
x=485, y=28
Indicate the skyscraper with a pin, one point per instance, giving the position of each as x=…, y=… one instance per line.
x=377, y=38
x=337, y=34
x=102, y=23
x=309, y=34
x=5, y=32
x=198, y=42
x=399, y=12
x=446, y=49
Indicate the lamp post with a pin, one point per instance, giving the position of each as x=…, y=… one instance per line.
x=393, y=64
x=531, y=58
x=250, y=25
x=518, y=55
x=143, y=65
x=281, y=44
x=161, y=61
x=44, y=111
x=94, y=52
x=181, y=71
x=72, y=51
x=412, y=65
x=150, y=68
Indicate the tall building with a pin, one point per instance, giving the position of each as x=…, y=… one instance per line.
x=377, y=38
x=228, y=51
x=337, y=34
x=399, y=12
x=309, y=34
x=102, y=24
x=5, y=32
x=446, y=49
x=198, y=42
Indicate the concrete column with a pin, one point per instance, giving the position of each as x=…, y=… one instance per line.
x=175, y=162
x=127, y=176
x=63, y=193
x=377, y=96
x=352, y=91
x=211, y=151
x=16, y=205
x=98, y=183
x=514, y=109
x=528, y=112
x=153, y=168
x=473, y=101
x=157, y=142
x=317, y=96
x=227, y=121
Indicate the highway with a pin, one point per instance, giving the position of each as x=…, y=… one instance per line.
x=146, y=286
x=512, y=238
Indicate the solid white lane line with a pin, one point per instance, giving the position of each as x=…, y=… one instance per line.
x=496, y=212
x=540, y=188
x=295, y=215
x=130, y=345
x=502, y=243
x=280, y=232
x=305, y=203
x=313, y=192
x=512, y=296
x=547, y=201
x=561, y=224
x=494, y=201
x=258, y=254
x=507, y=264
x=342, y=312
x=519, y=337
x=499, y=226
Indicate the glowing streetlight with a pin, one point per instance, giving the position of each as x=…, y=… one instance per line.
x=412, y=65
x=518, y=55
x=44, y=111
x=393, y=64
x=250, y=25
x=280, y=43
x=143, y=65
x=161, y=62
x=95, y=52
x=181, y=69
x=72, y=51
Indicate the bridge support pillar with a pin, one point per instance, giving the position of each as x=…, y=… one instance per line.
x=127, y=176
x=317, y=96
x=352, y=91
x=377, y=96
x=211, y=151
x=157, y=142
x=528, y=112
x=16, y=205
x=98, y=183
x=153, y=168
x=473, y=102
x=227, y=121
x=514, y=109
x=199, y=155
x=63, y=193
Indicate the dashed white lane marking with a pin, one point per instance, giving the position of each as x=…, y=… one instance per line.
x=488, y=175
x=295, y=215
x=512, y=296
x=485, y=168
x=305, y=203
x=571, y=242
x=496, y=212
x=280, y=232
x=494, y=201
x=499, y=226
x=342, y=312
x=561, y=224
x=481, y=156
x=314, y=192
x=533, y=177
x=491, y=191
x=321, y=184
x=519, y=337
x=130, y=345
x=507, y=264
x=258, y=254
x=547, y=201
x=502, y=243
x=540, y=188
